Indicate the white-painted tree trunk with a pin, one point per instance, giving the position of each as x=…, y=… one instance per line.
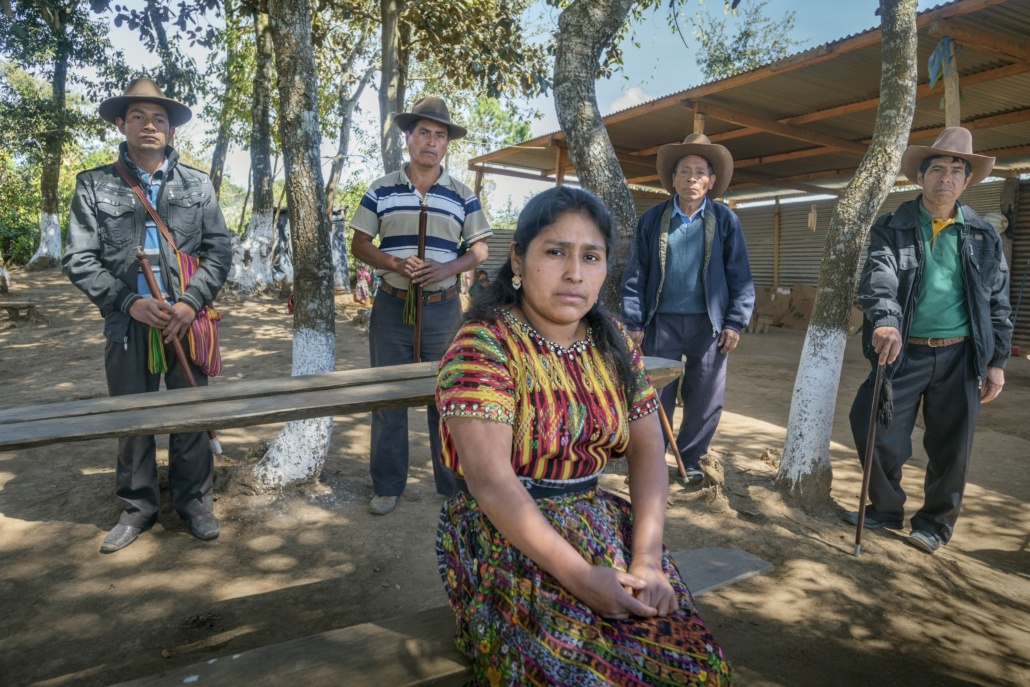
x=252, y=256
x=49, y=252
x=301, y=447
x=811, y=410
x=5, y=281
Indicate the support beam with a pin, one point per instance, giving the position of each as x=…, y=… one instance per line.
x=768, y=180
x=699, y=121
x=772, y=126
x=501, y=171
x=952, y=103
x=776, y=243
x=479, y=182
x=559, y=169
x=982, y=41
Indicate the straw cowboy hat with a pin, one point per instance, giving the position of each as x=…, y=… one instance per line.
x=696, y=144
x=432, y=108
x=954, y=141
x=144, y=91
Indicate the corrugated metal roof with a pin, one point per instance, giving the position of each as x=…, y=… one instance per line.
x=802, y=123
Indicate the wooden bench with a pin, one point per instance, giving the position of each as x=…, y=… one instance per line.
x=237, y=404
x=32, y=314
x=406, y=651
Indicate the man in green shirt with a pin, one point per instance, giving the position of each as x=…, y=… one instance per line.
x=935, y=294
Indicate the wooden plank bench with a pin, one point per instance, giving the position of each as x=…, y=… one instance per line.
x=32, y=314
x=237, y=404
x=412, y=650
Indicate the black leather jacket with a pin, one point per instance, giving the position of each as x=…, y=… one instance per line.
x=107, y=225
x=894, y=270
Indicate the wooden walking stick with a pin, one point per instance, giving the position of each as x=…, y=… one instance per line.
x=180, y=355
x=423, y=212
x=672, y=440
x=867, y=467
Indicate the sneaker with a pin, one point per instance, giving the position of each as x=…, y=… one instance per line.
x=119, y=537
x=924, y=541
x=204, y=526
x=381, y=505
x=693, y=477
x=871, y=524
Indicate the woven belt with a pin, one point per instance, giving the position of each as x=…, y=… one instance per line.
x=543, y=492
x=936, y=343
x=427, y=296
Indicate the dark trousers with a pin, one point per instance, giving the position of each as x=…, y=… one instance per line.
x=704, y=379
x=190, y=463
x=943, y=380
x=391, y=342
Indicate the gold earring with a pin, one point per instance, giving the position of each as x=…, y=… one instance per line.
x=516, y=282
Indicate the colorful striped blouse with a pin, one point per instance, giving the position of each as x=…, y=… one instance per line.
x=567, y=409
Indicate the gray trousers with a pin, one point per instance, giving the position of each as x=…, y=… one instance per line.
x=190, y=463
x=704, y=379
x=943, y=380
x=391, y=342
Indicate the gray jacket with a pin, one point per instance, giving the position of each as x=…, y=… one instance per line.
x=107, y=227
x=894, y=269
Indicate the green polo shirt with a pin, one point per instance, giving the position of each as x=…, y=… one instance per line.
x=941, y=309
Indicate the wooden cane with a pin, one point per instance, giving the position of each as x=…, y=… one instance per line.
x=672, y=440
x=423, y=211
x=867, y=467
x=180, y=355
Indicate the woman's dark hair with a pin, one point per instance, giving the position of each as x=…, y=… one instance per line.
x=540, y=212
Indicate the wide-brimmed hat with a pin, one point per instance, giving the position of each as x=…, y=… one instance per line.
x=954, y=141
x=432, y=108
x=696, y=144
x=144, y=91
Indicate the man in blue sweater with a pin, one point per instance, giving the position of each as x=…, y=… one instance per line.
x=687, y=289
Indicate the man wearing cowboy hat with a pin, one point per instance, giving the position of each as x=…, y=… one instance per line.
x=687, y=288
x=935, y=293
x=107, y=226
x=390, y=210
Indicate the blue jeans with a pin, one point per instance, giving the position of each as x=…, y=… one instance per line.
x=391, y=342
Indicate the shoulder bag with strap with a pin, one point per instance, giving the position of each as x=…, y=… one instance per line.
x=203, y=332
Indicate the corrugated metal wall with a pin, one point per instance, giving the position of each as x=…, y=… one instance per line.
x=1020, y=257
x=801, y=250
x=498, y=244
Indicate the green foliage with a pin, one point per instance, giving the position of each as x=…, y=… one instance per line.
x=19, y=209
x=758, y=40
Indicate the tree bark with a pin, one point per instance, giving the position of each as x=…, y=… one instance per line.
x=252, y=258
x=585, y=29
x=48, y=254
x=299, y=451
x=348, y=102
x=392, y=84
x=805, y=474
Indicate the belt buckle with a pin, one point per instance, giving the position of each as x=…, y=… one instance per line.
x=931, y=344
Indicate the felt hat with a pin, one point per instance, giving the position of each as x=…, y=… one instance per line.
x=144, y=91
x=954, y=141
x=432, y=108
x=696, y=144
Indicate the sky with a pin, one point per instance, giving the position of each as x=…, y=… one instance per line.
x=661, y=65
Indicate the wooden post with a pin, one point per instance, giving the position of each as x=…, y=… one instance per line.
x=776, y=243
x=559, y=168
x=479, y=182
x=699, y=120
x=952, y=104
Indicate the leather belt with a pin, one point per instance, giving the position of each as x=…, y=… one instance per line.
x=427, y=296
x=541, y=491
x=936, y=343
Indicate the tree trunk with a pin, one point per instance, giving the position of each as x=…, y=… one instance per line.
x=391, y=85
x=299, y=451
x=348, y=102
x=805, y=473
x=585, y=29
x=252, y=257
x=48, y=254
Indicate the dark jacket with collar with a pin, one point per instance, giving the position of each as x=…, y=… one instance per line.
x=108, y=224
x=726, y=272
x=893, y=272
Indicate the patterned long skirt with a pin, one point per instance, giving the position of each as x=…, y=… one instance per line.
x=518, y=626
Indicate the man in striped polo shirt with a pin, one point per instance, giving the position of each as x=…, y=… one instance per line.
x=390, y=210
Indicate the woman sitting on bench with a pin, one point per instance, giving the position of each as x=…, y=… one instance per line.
x=553, y=580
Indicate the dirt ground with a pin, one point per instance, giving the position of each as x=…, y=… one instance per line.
x=312, y=559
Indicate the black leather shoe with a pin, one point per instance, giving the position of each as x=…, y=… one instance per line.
x=870, y=524
x=204, y=526
x=119, y=537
